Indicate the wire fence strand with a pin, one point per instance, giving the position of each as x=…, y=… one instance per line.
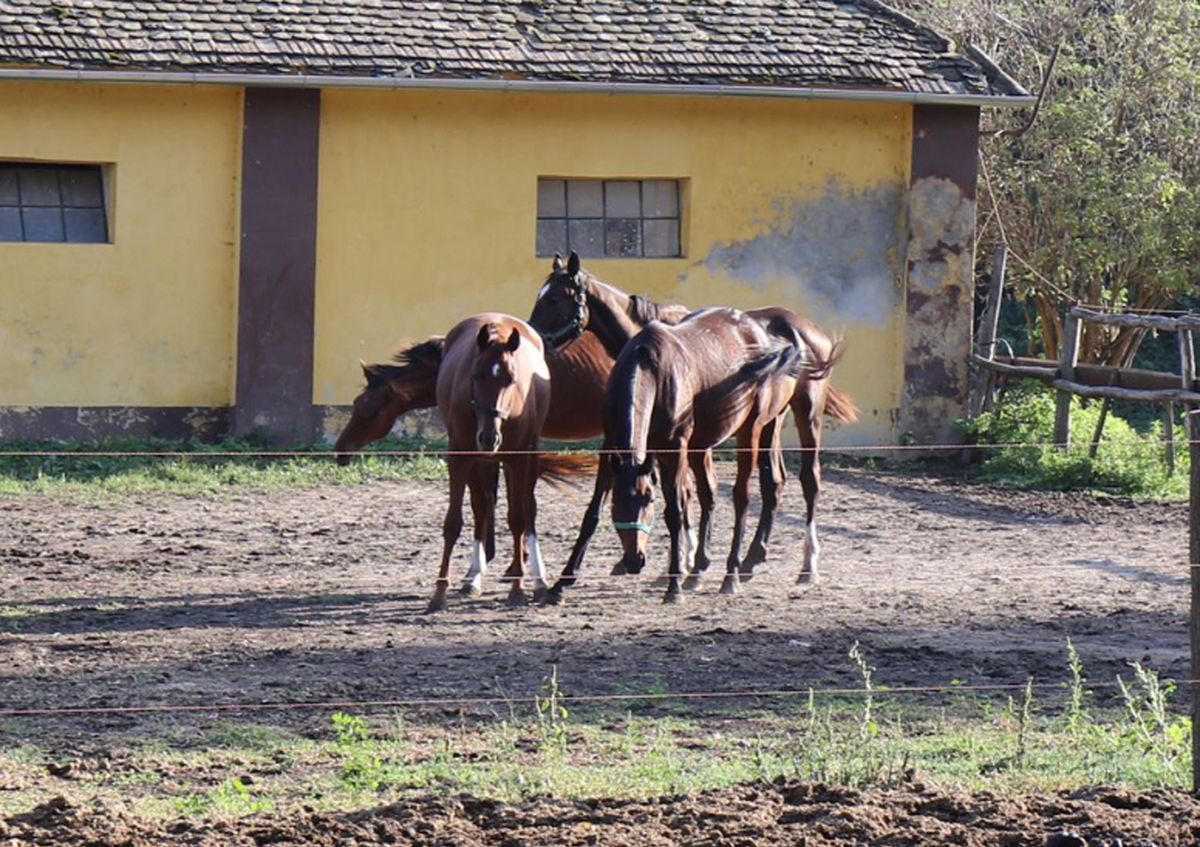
x=435, y=452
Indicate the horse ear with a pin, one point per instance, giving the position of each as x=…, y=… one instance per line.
x=485, y=335
x=559, y=265
x=514, y=341
x=573, y=263
x=366, y=369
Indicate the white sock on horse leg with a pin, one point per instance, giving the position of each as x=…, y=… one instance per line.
x=812, y=549
x=536, y=566
x=479, y=564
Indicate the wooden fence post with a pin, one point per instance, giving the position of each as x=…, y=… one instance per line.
x=1169, y=433
x=1194, y=567
x=985, y=336
x=1068, y=358
x=1187, y=360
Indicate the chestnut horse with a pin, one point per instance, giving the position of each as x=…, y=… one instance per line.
x=573, y=304
x=493, y=392
x=676, y=392
x=409, y=382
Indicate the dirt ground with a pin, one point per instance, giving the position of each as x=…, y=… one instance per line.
x=748, y=816
x=317, y=595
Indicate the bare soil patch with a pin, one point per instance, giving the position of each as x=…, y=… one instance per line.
x=808, y=815
x=317, y=595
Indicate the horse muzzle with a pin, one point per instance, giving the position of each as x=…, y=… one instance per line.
x=490, y=441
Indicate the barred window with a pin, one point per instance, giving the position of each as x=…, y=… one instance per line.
x=609, y=217
x=52, y=203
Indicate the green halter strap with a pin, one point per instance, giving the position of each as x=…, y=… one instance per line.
x=638, y=525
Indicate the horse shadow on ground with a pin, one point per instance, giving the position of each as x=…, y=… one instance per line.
x=507, y=662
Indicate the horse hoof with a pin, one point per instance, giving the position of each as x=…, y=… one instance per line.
x=553, y=597
x=808, y=578
x=730, y=584
x=539, y=595
x=692, y=582
x=437, y=604
x=470, y=589
x=516, y=599
x=619, y=568
x=672, y=597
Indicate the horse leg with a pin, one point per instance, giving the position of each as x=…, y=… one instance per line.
x=591, y=519
x=494, y=489
x=537, y=567
x=748, y=440
x=485, y=476
x=706, y=486
x=675, y=503
x=451, y=528
x=771, y=477
x=516, y=471
x=808, y=426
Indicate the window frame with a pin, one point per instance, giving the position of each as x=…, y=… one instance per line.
x=566, y=218
x=104, y=206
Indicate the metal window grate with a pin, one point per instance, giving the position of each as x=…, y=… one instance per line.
x=614, y=218
x=52, y=203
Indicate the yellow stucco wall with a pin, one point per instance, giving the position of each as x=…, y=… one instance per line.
x=428, y=207
x=150, y=319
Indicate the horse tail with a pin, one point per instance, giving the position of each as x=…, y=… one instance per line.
x=562, y=468
x=810, y=366
x=740, y=388
x=840, y=406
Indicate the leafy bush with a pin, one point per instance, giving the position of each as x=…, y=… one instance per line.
x=1018, y=437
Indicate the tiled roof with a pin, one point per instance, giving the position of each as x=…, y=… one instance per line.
x=858, y=43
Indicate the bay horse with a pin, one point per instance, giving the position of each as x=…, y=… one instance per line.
x=493, y=392
x=676, y=392
x=573, y=306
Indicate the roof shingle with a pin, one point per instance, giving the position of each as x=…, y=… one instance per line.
x=840, y=43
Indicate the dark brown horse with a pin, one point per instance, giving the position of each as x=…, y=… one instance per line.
x=676, y=392
x=493, y=392
x=573, y=304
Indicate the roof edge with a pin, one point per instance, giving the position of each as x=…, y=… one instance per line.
x=509, y=85
x=991, y=70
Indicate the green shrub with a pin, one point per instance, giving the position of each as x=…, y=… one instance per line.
x=1017, y=438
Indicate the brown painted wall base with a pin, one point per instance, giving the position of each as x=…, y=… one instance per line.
x=89, y=423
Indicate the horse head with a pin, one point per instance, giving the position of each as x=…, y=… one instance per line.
x=373, y=414
x=560, y=314
x=632, y=508
x=392, y=389
x=495, y=393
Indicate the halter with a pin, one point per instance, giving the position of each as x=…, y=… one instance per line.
x=494, y=413
x=644, y=528
x=575, y=327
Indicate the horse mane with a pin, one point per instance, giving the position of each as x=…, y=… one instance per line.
x=425, y=354
x=643, y=309
x=421, y=359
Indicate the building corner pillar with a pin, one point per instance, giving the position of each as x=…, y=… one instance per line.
x=277, y=265
x=939, y=286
